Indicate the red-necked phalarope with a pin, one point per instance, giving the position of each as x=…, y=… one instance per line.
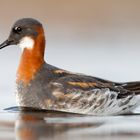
x=43, y=86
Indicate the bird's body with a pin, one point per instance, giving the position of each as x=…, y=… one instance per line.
x=56, y=89
x=43, y=86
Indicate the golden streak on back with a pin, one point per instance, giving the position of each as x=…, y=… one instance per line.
x=83, y=84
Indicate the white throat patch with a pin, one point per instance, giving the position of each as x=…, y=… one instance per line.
x=26, y=42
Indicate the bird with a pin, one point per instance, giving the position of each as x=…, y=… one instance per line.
x=43, y=86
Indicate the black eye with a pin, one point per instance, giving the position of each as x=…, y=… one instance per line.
x=17, y=29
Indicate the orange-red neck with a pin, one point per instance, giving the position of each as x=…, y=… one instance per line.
x=31, y=59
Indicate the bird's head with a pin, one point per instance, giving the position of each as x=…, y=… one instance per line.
x=24, y=33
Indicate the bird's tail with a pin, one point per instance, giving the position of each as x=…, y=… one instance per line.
x=133, y=87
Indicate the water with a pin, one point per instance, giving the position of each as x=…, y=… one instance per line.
x=100, y=38
x=26, y=124
x=55, y=125
x=19, y=125
x=32, y=125
x=15, y=124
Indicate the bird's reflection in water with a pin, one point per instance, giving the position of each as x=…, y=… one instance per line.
x=42, y=125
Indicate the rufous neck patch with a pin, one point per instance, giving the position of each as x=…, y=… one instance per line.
x=31, y=59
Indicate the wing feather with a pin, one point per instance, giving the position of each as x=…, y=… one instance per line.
x=90, y=96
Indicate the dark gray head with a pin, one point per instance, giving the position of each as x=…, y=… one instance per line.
x=26, y=27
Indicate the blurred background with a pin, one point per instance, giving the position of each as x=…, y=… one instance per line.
x=95, y=37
